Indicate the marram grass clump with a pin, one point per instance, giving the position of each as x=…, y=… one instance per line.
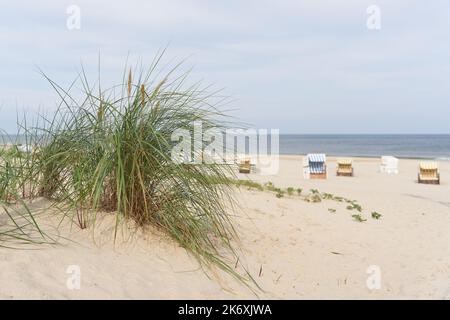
x=111, y=151
x=18, y=227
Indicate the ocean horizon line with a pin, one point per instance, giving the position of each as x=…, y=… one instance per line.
x=407, y=146
x=372, y=156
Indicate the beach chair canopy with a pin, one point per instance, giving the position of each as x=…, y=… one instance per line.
x=389, y=161
x=428, y=165
x=344, y=162
x=317, y=163
x=317, y=157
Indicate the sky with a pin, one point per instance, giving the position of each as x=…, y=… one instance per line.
x=297, y=66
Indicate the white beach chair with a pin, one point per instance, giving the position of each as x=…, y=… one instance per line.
x=389, y=165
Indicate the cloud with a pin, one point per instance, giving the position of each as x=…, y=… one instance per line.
x=281, y=60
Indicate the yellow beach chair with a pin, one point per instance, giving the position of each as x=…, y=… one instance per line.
x=245, y=166
x=344, y=167
x=428, y=173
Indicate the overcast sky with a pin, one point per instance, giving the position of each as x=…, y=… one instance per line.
x=298, y=66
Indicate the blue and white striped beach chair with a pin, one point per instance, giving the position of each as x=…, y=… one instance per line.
x=317, y=166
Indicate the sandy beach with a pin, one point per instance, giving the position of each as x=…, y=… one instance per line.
x=294, y=249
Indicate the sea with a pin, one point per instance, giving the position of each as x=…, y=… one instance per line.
x=426, y=146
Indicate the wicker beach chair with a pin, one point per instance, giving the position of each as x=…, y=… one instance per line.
x=428, y=173
x=317, y=166
x=245, y=166
x=344, y=167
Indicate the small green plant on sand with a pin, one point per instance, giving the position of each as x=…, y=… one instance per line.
x=279, y=193
x=327, y=196
x=315, y=196
x=354, y=206
x=290, y=191
x=376, y=215
x=270, y=186
x=249, y=184
x=358, y=218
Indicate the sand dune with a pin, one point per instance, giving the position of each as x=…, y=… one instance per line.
x=294, y=249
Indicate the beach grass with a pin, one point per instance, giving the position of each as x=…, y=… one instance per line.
x=110, y=151
x=18, y=226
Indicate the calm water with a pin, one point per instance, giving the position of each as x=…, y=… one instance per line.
x=402, y=146
x=406, y=146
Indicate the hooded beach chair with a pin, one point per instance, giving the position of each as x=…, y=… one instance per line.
x=428, y=173
x=389, y=165
x=317, y=166
x=344, y=167
x=245, y=166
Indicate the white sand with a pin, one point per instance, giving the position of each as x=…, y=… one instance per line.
x=303, y=250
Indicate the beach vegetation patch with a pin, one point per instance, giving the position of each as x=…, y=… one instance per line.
x=315, y=196
x=375, y=215
x=358, y=217
x=290, y=191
